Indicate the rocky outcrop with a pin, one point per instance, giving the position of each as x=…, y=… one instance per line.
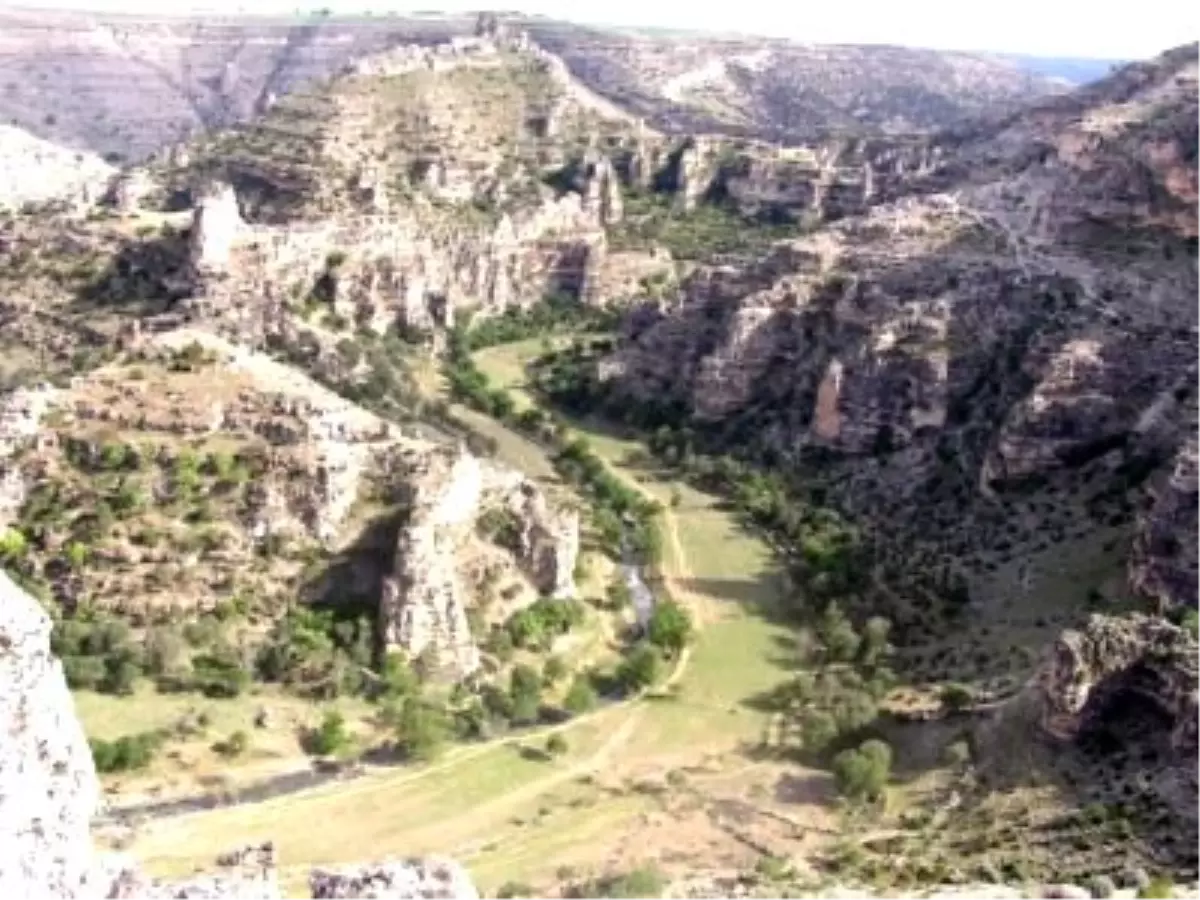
x=425, y=602
x=248, y=873
x=1164, y=562
x=1132, y=659
x=216, y=225
x=48, y=787
x=21, y=412
x=432, y=878
x=402, y=270
x=49, y=793
x=36, y=171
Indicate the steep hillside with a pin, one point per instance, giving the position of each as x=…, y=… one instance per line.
x=784, y=91
x=1032, y=321
x=64, y=76
x=36, y=171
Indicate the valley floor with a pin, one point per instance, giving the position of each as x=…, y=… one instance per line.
x=669, y=779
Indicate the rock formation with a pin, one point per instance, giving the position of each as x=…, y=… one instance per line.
x=1136, y=659
x=48, y=787
x=425, y=599
x=49, y=793
x=37, y=171
x=215, y=228
x=432, y=878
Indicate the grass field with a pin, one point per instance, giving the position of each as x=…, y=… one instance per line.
x=510, y=815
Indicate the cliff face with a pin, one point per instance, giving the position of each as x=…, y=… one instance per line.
x=292, y=471
x=1024, y=327
x=426, y=599
x=48, y=787
x=195, y=75
x=191, y=74
x=36, y=171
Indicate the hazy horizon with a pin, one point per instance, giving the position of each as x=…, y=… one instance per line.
x=1063, y=28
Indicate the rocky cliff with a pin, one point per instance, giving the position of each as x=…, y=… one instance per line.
x=1003, y=330
x=49, y=793
x=37, y=171
x=132, y=460
x=194, y=75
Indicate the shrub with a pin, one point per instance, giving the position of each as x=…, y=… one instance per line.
x=1101, y=887
x=126, y=754
x=670, y=627
x=553, y=671
x=511, y=889
x=330, y=737
x=956, y=697
x=556, y=745
x=420, y=730
x=234, y=745
x=639, y=670
x=525, y=689
x=645, y=881
x=581, y=696
x=863, y=773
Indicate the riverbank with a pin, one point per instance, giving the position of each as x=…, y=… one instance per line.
x=510, y=813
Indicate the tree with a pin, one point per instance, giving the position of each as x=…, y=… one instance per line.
x=956, y=697
x=330, y=737
x=862, y=773
x=837, y=634
x=670, y=627
x=420, y=730
x=525, y=688
x=553, y=671
x=874, y=640
x=640, y=669
x=581, y=697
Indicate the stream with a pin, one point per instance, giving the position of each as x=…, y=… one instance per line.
x=643, y=599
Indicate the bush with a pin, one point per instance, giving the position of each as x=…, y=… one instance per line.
x=553, y=671
x=670, y=627
x=126, y=754
x=863, y=773
x=511, y=889
x=1101, y=887
x=330, y=737
x=956, y=697
x=645, y=881
x=420, y=730
x=84, y=672
x=525, y=689
x=556, y=745
x=234, y=745
x=581, y=696
x=639, y=670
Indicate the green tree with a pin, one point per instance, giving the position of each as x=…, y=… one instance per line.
x=956, y=697
x=837, y=635
x=420, y=730
x=581, y=696
x=330, y=737
x=874, y=640
x=525, y=688
x=640, y=669
x=862, y=773
x=670, y=627
x=554, y=671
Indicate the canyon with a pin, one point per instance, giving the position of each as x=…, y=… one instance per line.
x=938, y=306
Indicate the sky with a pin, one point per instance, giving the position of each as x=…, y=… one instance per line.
x=1116, y=29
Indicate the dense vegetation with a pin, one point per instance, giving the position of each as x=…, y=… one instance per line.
x=710, y=230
